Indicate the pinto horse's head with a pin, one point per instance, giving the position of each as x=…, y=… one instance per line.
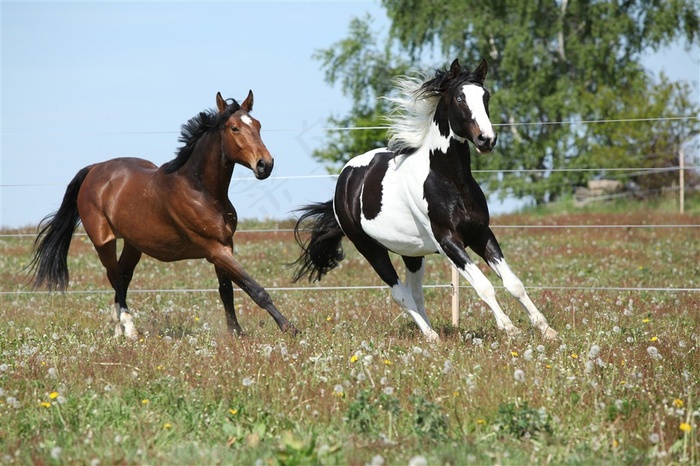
x=468, y=106
x=241, y=140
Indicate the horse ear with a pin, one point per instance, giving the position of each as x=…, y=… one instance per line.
x=455, y=68
x=220, y=103
x=247, y=104
x=480, y=71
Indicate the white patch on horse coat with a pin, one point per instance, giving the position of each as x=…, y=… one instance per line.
x=364, y=159
x=247, y=120
x=402, y=225
x=474, y=96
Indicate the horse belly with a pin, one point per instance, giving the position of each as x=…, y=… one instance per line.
x=118, y=200
x=400, y=235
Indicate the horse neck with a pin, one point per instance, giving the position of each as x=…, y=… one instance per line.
x=449, y=155
x=209, y=167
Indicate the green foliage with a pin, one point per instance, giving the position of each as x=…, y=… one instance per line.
x=428, y=418
x=72, y=394
x=549, y=62
x=520, y=420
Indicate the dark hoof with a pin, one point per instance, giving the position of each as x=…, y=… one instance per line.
x=292, y=330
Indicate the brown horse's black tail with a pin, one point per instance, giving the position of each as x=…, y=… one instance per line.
x=49, y=262
x=324, y=250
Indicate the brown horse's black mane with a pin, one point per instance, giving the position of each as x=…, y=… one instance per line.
x=194, y=129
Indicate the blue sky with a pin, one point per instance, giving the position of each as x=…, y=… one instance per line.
x=86, y=82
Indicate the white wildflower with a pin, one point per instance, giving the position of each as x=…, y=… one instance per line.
x=519, y=375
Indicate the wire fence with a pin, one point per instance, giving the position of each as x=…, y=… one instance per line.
x=626, y=171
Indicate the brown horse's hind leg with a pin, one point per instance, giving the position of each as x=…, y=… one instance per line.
x=128, y=260
x=226, y=294
x=225, y=262
x=107, y=252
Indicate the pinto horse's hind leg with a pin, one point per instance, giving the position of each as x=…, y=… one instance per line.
x=415, y=269
x=378, y=257
x=492, y=254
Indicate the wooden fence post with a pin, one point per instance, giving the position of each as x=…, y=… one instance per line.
x=455, y=296
x=681, y=179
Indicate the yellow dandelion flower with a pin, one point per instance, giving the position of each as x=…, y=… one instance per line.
x=685, y=427
x=678, y=403
x=45, y=404
x=574, y=356
x=53, y=395
x=196, y=319
x=145, y=401
x=233, y=412
x=167, y=426
x=653, y=339
x=548, y=366
x=455, y=393
x=616, y=444
x=514, y=354
x=481, y=422
x=328, y=319
x=354, y=358
x=646, y=320
x=387, y=362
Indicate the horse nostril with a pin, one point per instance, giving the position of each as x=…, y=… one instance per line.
x=480, y=138
x=261, y=165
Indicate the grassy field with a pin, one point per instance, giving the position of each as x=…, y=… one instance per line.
x=360, y=385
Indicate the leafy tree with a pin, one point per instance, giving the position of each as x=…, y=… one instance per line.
x=549, y=62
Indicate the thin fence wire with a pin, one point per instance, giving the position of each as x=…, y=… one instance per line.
x=360, y=287
x=381, y=127
x=493, y=226
x=640, y=171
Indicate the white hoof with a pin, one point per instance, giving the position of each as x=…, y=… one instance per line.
x=432, y=336
x=512, y=331
x=550, y=334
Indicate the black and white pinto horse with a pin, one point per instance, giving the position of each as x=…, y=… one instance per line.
x=418, y=197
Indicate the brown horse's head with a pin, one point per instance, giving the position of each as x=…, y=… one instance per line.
x=241, y=140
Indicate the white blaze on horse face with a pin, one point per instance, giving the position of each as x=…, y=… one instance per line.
x=474, y=97
x=247, y=120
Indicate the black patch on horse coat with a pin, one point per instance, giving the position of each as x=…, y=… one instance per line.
x=413, y=264
x=372, y=186
x=455, y=201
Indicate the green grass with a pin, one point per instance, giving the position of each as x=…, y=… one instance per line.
x=360, y=380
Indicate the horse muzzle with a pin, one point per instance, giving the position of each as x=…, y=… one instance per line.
x=485, y=144
x=263, y=168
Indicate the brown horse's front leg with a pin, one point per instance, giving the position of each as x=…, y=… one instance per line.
x=226, y=294
x=232, y=270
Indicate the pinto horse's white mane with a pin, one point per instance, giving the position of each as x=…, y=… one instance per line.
x=412, y=115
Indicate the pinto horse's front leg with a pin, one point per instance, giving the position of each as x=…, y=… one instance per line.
x=453, y=248
x=488, y=248
x=491, y=252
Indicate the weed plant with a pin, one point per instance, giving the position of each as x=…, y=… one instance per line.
x=360, y=385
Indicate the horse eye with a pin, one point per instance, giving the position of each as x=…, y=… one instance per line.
x=459, y=99
x=235, y=129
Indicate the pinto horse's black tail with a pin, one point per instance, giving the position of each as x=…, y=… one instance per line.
x=324, y=250
x=49, y=263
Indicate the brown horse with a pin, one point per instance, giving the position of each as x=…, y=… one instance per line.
x=178, y=211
